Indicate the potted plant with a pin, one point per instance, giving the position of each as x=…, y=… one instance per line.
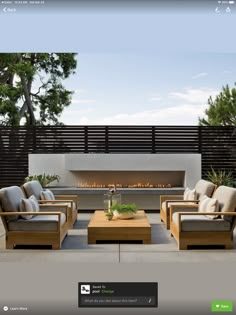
x=44, y=179
x=124, y=211
x=221, y=177
x=109, y=216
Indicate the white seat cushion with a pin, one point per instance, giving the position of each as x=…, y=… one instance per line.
x=63, y=203
x=199, y=223
x=37, y=223
x=164, y=204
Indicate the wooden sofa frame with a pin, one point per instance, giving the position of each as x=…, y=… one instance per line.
x=165, y=215
x=53, y=238
x=74, y=198
x=185, y=239
x=72, y=215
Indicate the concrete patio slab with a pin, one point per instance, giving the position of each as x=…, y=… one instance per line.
x=75, y=249
x=67, y=256
x=177, y=257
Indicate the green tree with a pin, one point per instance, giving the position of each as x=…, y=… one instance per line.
x=20, y=73
x=222, y=110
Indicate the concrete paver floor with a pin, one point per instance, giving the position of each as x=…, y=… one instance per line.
x=76, y=249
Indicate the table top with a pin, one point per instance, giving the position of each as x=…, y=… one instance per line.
x=99, y=219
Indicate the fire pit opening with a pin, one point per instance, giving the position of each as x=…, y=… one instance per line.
x=130, y=179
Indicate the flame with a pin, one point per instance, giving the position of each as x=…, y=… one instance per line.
x=118, y=185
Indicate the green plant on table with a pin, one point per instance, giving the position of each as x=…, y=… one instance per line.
x=109, y=215
x=44, y=179
x=125, y=208
x=221, y=177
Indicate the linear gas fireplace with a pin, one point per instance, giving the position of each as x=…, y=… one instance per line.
x=140, y=178
x=130, y=179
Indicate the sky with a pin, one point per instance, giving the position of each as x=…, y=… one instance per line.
x=136, y=65
x=146, y=88
x=149, y=68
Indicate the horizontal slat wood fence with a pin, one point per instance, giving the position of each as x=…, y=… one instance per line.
x=216, y=144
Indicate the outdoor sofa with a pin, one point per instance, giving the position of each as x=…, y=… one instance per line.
x=35, y=188
x=190, y=227
x=47, y=225
x=202, y=187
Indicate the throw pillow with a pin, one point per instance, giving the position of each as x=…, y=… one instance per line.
x=190, y=194
x=34, y=200
x=29, y=205
x=207, y=204
x=47, y=194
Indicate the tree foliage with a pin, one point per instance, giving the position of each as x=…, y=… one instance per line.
x=31, y=89
x=222, y=110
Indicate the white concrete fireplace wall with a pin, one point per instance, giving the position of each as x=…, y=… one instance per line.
x=67, y=165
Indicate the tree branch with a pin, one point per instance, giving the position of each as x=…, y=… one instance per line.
x=27, y=96
x=23, y=110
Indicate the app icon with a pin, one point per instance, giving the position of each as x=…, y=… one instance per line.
x=85, y=289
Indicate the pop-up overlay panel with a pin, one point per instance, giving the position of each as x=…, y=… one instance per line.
x=118, y=294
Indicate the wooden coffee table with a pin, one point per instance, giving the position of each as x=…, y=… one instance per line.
x=136, y=229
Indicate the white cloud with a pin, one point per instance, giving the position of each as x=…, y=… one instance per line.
x=79, y=91
x=71, y=116
x=155, y=99
x=186, y=114
x=80, y=97
x=83, y=101
x=200, y=75
x=194, y=96
x=184, y=108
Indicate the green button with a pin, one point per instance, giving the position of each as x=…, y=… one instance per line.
x=222, y=306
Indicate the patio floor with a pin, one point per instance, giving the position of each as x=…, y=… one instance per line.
x=76, y=249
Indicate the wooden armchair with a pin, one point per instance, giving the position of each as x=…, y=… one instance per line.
x=46, y=227
x=35, y=188
x=190, y=227
x=202, y=188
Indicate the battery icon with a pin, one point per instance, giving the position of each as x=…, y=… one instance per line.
x=231, y=2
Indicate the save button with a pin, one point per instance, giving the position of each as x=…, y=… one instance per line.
x=222, y=306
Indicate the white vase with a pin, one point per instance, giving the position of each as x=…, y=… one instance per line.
x=123, y=216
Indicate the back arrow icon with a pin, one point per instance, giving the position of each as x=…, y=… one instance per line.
x=5, y=9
